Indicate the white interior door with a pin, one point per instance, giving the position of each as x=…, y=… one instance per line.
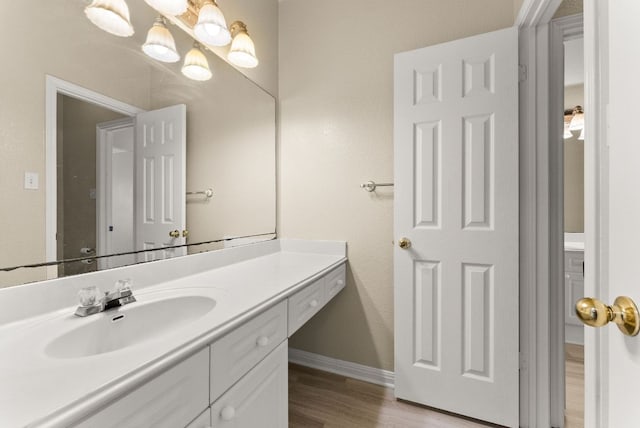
x=618, y=359
x=160, y=168
x=456, y=176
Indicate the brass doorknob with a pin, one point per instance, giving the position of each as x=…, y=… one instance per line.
x=174, y=234
x=623, y=312
x=185, y=233
x=404, y=243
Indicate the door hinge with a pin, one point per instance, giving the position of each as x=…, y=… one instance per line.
x=522, y=73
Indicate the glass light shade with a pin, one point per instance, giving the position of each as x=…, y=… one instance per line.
x=160, y=44
x=581, y=136
x=196, y=66
x=577, y=122
x=567, y=134
x=242, y=52
x=169, y=7
x=212, y=27
x=111, y=16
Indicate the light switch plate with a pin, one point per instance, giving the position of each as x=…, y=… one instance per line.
x=31, y=180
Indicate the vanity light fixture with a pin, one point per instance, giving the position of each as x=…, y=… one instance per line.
x=169, y=7
x=111, y=16
x=577, y=121
x=160, y=44
x=242, y=52
x=196, y=66
x=581, y=136
x=211, y=27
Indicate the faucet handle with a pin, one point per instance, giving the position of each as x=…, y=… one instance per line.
x=89, y=296
x=124, y=287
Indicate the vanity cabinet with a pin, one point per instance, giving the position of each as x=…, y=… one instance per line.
x=260, y=398
x=202, y=421
x=306, y=303
x=573, y=291
x=170, y=400
x=236, y=353
x=240, y=380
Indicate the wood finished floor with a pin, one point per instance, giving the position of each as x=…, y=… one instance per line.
x=319, y=399
x=574, y=366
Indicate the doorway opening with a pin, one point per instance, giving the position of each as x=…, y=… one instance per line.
x=72, y=114
x=567, y=208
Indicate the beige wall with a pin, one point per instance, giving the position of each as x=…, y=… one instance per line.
x=78, y=177
x=568, y=7
x=517, y=4
x=336, y=122
x=573, y=168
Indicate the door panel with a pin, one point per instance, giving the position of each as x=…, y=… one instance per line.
x=160, y=181
x=622, y=363
x=456, y=176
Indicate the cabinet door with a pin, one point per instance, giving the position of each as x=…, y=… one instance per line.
x=259, y=399
x=574, y=290
x=173, y=399
x=202, y=421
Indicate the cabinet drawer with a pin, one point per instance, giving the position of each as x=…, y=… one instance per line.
x=305, y=304
x=573, y=261
x=237, y=352
x=335, y=281
x=202, y=421
x=259, y=399
x=170, y=400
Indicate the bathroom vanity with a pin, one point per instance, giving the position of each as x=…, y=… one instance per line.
x=573, y=286
x=205, y=345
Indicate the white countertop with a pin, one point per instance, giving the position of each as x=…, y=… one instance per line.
x=38, y=390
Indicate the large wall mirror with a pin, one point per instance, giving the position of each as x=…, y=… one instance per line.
x=53, y=146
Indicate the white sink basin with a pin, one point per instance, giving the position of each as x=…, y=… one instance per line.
x=128, y=325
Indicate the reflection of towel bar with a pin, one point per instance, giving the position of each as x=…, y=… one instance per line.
x=370, y=186
x=208, y=193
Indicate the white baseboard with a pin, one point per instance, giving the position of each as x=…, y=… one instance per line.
x=344, y=368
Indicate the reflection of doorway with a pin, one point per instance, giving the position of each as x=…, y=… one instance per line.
x=159, y=177
x=77, y=206
x=573, y=165
x=81, y=100
x=115, y=184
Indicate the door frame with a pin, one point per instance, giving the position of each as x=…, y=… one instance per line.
x=561, y=30
x=596, y=202
x=104, y=197
x=53, y=87
x=540, y=401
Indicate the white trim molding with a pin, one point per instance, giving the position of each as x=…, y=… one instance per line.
x=344, y=368
x=535, y=226
x=55, y=86
x=561, y=30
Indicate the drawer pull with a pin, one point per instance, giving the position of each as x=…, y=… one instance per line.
x=313, y=303
x=262, y=341
x=228, y=413
x=340, y=282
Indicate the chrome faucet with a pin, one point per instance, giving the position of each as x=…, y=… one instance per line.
x=90, y=303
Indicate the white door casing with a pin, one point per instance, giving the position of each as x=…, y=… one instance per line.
x=160, y=171
x=456, y=199
x=115, y=187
